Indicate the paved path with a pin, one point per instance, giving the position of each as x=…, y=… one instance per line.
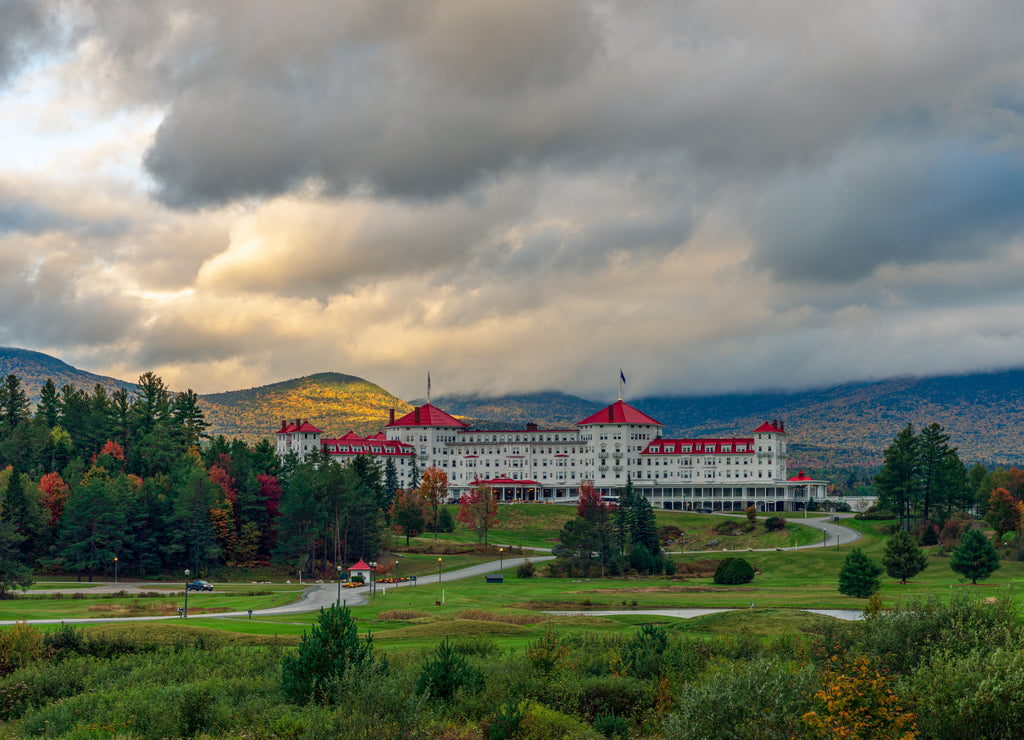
x=312, y=599
x=849, y=615
x=326, y=594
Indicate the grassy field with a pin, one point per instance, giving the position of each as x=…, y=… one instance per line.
x=511, y=613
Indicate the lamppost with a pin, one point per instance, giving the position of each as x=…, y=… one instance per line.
x=115, y=569
x=373, y=586
x=339, y=586
x=501, y=559
x=439, y=570
x=185, y=614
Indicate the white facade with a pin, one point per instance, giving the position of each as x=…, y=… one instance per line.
x=616, y=444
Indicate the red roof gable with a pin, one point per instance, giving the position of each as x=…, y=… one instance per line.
x=360, y=566
x=619, y=412
x=771, y=426
x=801, y=477
x=298, y=426
x=427, y=415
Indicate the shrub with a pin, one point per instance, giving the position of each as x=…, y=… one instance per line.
x=858, y=703
x=445, y=673
x=859, y=575
x=929, y=535
x=507, y=722
x=733, y=571
x=332, y=646
x=641, y=655
x=902, y=637
x=763, y=698
x=979, y=695
x=20, y=645
x=526, y=569
x=612, y=726
x=727, y=526
x=542, y=723
x=774, y=523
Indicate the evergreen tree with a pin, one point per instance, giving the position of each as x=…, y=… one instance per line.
x=14, y=406
x=859, y=575
x=330, y=650
x=898, y=482
x=49, y=405
x=903, y=557
x=189, y=421
x=390, y=483
x=974, y=557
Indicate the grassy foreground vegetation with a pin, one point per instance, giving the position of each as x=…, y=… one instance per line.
x=932, y=668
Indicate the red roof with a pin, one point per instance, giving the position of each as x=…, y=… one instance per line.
x=801, y=476
x=375, y=445
x=427, y=415
x=506, y=482
x=771, y=426
x=678, y=444
x=298, y=426
x=619, y=412
x=360, y=566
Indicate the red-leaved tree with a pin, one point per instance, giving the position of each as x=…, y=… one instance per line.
x=53, y=494
x=478, y=509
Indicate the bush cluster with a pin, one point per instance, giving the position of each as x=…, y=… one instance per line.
x=733, y=571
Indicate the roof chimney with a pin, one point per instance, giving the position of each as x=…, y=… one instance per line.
x=417, y=415
x=284, y=423
x=611, y=414
x=392, y=417
x=775, y=423
x=782, y=428
x=298, y=422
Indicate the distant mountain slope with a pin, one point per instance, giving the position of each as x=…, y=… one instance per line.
x=844, y=426
x=33, y=368
x=331, y=401
x=549, y=409
x=854, y=423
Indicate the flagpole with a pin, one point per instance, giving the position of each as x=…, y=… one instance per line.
x=428, y=387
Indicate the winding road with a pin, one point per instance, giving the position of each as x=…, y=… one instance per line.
x=326, y=594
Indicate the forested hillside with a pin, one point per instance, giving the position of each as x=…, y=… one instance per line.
x=843, y=427
x=33, y=369
x=331, y=401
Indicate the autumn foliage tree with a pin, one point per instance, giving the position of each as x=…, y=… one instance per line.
x=407, y=514
x=432, y=490
x=1005, y=513
x=858, y=703
x=478, y=509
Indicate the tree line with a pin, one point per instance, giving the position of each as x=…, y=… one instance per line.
x=88, y=480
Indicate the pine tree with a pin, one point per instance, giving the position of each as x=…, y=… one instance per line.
x=898, y=482
x=903, y=557
x=859, y=575
x=49, y=406
x=974, y=557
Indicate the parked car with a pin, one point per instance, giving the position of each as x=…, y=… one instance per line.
x=199, y=586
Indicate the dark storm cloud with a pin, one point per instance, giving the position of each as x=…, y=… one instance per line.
x=57, y=301
x=903, y=204
x=23, y=26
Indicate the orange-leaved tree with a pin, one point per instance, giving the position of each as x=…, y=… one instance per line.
x=433, y=490
x=858, y=703
x=479, y=510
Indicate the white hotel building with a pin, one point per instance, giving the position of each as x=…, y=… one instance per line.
x=616, y=444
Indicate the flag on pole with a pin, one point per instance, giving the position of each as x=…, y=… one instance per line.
x=428, y=387
x=622, y=376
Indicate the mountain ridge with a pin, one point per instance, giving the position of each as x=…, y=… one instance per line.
x=847, y=425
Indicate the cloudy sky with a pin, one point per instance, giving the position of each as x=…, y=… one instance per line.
x=715, y=196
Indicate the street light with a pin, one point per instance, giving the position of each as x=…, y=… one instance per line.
x=439, y=570
x=501, y=559
x=115, y=569
x=339, y=586
x=185, y=614
x=373, y=586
